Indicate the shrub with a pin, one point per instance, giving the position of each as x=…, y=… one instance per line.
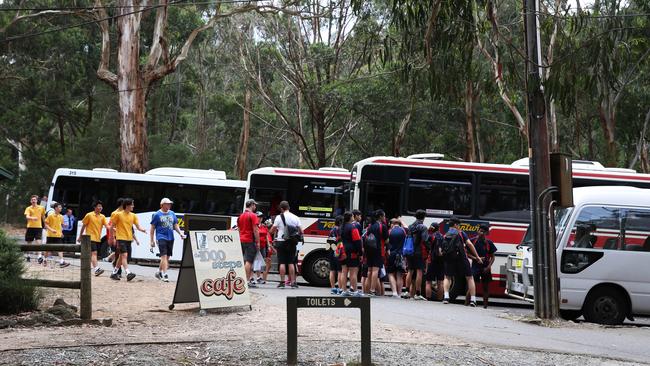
x=15, y=294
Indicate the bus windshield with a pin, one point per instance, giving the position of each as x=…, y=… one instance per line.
x=561, y=217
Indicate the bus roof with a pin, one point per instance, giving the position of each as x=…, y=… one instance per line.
x=606, y=173
x=616, y=195
x=326, y=173
x=207, y=178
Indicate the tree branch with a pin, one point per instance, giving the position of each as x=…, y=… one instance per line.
x=103, y=72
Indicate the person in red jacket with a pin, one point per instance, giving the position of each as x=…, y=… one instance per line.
x=265, y=243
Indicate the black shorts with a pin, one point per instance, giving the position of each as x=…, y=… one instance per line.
x=435, y=270
x=166, y=247
x=124, y=246
x=248, y=250
x=364, y=269
x=415, y=262
x=335, y=265
x=480, y=276
x=33, y=233
x=53, y=240
x=94, y=246
x=395, y=263
x=286, y=252
x=458, y=267
x=375, y=260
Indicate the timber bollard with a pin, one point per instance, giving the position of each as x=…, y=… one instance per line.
x=85, y=298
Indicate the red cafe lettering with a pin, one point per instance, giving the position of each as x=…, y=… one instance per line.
x=227, y=286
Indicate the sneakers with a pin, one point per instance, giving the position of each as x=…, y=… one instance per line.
x=130, y=276
x=63, y=264
x=356, y=293
x=334, y=291
x=40, y=260
x=472, y=304
x=396, y=296
x=294, y=285
x=165, y=278
x=115, y=276
x=405, y=295
x=260, y=281
x=445, y=300
x=98, y=271
x=158, y=275
x=418, y=297
x=280, y=285
x=345, y=293
x=252, y=284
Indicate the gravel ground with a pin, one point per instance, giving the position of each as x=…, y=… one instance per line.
x=310, y=353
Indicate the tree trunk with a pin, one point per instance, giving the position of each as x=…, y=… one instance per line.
x=242, y=152
x=470, y=133
x=398, y=140
x=131, y=94
x=607, y=119
x=201, y=123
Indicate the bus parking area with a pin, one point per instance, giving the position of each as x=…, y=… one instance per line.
x=404, y=332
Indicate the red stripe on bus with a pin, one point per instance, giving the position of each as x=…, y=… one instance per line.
x=316, y=174
x=638, y=177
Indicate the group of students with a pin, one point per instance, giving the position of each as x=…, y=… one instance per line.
x=262, y=239
x=407, y=254
x=120, y=233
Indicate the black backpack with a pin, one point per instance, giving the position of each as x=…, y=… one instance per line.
x=370, y=240
x=452, y=244
x=291, y=233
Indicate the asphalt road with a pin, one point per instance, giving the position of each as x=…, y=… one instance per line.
x=501, y=324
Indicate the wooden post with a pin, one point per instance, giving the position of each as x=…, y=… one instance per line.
x=86, y=308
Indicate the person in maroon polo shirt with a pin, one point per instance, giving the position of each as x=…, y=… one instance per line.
x=249, y=236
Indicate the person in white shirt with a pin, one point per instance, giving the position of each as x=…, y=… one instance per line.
x=288, y=232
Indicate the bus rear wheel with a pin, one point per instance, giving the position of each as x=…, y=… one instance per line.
x=605, y=305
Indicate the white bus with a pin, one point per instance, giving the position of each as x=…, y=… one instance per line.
x=192, y=190
x=477, y=193
x=603, y=251
x=316, y=197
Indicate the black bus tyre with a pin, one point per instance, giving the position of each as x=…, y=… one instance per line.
x=316, y=269
x=571, y=315
x=605, y=305
x=458, y=287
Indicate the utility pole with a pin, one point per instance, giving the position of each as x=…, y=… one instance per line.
x=544, y=273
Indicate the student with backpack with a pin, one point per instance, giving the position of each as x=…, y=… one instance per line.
x=485, y=249
x=395, y=266
x=454, y=249
x=335, y=266
x=351, y=242
x=416, y=261
x=289, y=233
x=435, y=264
x=374, y=250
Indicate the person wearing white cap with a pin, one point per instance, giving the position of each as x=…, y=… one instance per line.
x=164, y=223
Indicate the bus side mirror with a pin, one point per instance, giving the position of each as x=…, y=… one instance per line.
x=562, y=178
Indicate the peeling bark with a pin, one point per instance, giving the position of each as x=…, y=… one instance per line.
x=242, y=151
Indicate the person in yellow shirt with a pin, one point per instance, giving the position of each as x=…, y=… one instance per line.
x=92, y=224
x=35, y=215
x=111, y=239
x=53, y=224
x=123, y=223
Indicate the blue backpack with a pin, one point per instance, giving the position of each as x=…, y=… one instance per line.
x=409, y=246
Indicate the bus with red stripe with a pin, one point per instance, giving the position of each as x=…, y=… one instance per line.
x=476, y=193
x=316, y=197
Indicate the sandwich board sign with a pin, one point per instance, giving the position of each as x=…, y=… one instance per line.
x=212, y=270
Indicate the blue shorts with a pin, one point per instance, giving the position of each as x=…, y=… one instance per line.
x=166, y=247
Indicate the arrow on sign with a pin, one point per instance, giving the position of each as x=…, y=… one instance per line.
x=347, y=302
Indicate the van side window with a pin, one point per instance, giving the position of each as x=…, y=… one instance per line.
x=597, y=227
x=637, y=230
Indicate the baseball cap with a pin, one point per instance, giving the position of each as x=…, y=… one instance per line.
x=484, y=227
x=165, y=200
x=250, y=202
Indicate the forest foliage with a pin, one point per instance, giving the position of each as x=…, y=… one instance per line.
x=344, y=80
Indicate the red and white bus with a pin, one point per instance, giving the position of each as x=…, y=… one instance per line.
x=316, y=197
x=476, y=193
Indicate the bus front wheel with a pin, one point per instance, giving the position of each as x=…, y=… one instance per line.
x=316, y=269
x=605, y=305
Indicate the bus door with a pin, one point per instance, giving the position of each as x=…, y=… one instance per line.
x=384, y=196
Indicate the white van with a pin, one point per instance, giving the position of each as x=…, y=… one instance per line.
x=603, y=256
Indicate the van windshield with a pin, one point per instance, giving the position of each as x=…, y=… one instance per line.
x=561, y=217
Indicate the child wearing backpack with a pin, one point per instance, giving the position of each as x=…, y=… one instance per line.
x=374, y=246
x=454, y=246
x=335, y=265
x=435, y=264
x=351, y=240
x=416, y=261
x=395, y=267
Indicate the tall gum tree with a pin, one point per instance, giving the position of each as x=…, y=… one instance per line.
x=134, y=74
